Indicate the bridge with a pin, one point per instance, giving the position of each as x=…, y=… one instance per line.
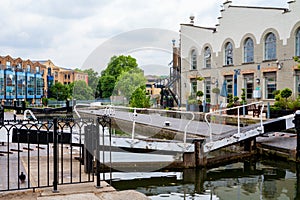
x=212, y=133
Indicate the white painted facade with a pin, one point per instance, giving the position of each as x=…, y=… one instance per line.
x=236, y=24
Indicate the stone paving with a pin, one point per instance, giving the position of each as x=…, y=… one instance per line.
x=75, y=192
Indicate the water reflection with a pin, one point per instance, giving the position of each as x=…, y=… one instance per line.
x=249, y=180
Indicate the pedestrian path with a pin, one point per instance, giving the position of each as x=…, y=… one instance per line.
x=75, y=192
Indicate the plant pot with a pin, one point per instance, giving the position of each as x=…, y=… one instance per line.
x=194, y=107
x=280, y=113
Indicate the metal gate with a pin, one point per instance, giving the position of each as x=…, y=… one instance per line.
x=48, y=153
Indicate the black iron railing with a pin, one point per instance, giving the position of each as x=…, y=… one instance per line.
x=49, y=153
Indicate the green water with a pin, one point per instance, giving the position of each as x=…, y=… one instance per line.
x=267, y=179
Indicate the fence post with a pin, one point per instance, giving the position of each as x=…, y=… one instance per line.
x=296, y=121
x=55, y=156
x=97, y=134
x=1, y=115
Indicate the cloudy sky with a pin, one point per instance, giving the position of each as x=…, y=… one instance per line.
x=86, y=33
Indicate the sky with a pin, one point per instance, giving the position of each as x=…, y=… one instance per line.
x=87, y=33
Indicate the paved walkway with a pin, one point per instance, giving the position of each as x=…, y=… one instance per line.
x=81, y=191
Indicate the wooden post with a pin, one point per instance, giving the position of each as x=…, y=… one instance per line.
x=200, y=157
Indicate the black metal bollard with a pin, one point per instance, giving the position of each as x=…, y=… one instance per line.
x=55, y=155
x=296, y=121
x=1, y=115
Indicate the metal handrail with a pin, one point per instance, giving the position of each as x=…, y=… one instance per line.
x=238, y=115
x=111, y=110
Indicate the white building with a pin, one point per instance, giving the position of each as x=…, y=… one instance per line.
x=250, y=47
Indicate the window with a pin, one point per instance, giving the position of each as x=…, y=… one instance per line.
x=37, y=69
x=207, y=90
x=249, y=85
x=248, y=51
x=8, y=65
x=207, y=57
x=297, y=82
x=270, y=47
x=298, y=43
x=193, y=86
x=270, y=82
x=228, y=54
x=193, y=59
x=229, y=81
x=28, y=68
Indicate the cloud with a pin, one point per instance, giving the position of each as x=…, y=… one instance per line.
x=68, y=31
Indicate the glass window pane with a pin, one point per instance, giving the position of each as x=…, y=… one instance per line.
x=193, y=60
x=249, y=51
x=298, y=43
x=207, y=57
x=228, y=54
x=270, y=47
x=271, y=85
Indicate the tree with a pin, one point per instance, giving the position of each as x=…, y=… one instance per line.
x=93, y=79
x=107, y=85
x=139, y=99
x=81, y=91
x=116, y=67
x=61, y=92
x=129, y=81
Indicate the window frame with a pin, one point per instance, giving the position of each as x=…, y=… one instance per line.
x=207, y=57
x=193, y=59
x=270, y=47
x=297, y=42
x=228, y=54
x=248, y=50
x=268, y=89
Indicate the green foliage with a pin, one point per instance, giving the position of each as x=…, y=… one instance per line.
x=81, y=91
x=216, y=90
x=115, y=68
x=200, y=78
x=45, y=101
x=129, y=81
x=243, y=96
x=297, y=59
x=61, y=92
x=286, y=93
x=283, y=100
x=192, y=99
x=93, y=79
x=199, y=93
x=230, y=101
x=139, y=99
x=107, y=84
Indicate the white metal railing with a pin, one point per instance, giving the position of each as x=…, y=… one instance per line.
x=31, y=114
x=220, y=112
x=111, y=110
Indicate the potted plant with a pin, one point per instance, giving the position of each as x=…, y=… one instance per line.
x=284, y=104
x=243, y=102
x=233, y=101
x=193, y=103
x=199, y=95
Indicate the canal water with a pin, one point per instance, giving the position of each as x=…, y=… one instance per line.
x=261, y=179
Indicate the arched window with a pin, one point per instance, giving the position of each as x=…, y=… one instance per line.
x=248, y=51
x=207, y=57
x=298, y=42
x=270, y=47
x=228, y=54
x=193, y=59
